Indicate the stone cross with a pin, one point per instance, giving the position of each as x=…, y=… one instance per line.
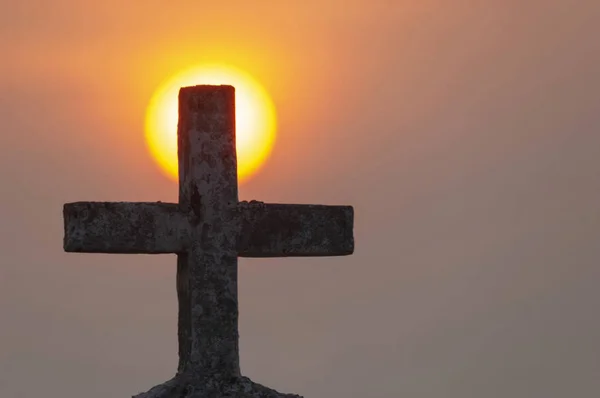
x=208, y=230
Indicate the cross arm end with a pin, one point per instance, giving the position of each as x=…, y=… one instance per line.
x=122, y=227
x=291, y=230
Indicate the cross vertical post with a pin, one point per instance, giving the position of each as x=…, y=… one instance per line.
x=208, y=192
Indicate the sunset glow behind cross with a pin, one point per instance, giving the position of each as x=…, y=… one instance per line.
x=255, y=118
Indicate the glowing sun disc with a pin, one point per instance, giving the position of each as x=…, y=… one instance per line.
x=254, y=112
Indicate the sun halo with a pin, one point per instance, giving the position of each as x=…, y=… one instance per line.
x=254, y=111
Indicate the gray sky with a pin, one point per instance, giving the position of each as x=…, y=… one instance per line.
x=464, y=133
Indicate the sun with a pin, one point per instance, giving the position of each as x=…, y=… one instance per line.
x=254, y=113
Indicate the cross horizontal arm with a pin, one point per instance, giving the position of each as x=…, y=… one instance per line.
x=122, y=227
x=289, y=230
x=267, y=230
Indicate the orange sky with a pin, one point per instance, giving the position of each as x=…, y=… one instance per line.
x=464, y=133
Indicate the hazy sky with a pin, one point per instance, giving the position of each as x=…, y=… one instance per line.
x=465, y=134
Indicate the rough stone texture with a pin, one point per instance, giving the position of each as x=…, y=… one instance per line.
x=120, y=227
x=267, y=229
x=208, y=229
x=241, y=387
x=282, y=230
x=208, y=193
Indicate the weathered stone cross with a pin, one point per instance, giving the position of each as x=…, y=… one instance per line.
x=208, y=229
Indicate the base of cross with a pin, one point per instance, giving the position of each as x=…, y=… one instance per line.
x=241, y=387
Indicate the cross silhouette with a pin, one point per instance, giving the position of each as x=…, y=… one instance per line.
x=208, y=230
